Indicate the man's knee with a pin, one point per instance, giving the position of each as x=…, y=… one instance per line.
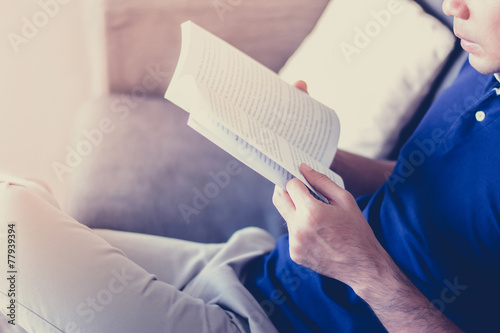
x=16, y=193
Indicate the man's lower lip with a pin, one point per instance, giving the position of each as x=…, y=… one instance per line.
x=468, y=46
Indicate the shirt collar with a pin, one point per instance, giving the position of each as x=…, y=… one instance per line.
x=497, y=88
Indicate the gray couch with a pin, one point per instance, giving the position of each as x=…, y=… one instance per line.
x=147, y=173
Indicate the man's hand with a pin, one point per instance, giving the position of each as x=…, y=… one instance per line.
x=332, y=239
x=335, y=240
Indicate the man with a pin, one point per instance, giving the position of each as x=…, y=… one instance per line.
x=431, y=244
x=434, y=224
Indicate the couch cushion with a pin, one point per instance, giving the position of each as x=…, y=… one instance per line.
x=373, y=64
x=147, y=171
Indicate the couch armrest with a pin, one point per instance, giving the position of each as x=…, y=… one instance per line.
x=144, y=33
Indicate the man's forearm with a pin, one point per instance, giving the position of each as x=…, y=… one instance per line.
x=399, y=305
x=361, y=175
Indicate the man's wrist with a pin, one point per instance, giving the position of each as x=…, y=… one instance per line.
x=383, y=277
x=399, y=304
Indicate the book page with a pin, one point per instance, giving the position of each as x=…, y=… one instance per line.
x=256, y=159
x=242, y=150
x=209, y=105
x=255, y=90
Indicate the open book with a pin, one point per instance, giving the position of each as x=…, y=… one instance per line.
x=247, y=110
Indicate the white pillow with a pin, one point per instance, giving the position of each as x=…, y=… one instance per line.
x=372, y=62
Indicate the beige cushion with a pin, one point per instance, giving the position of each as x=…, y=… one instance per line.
x=372, y=62
x=145, y=34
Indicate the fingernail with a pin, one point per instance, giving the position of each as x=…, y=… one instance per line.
x=307, y=167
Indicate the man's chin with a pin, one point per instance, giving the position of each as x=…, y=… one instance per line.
x=483, y=65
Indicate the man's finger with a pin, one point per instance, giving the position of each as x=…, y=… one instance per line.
x=283, y=202
x=323, y=184
x=301, y=85
x=298, y=192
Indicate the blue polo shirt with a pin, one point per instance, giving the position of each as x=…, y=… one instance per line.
x=438, y=216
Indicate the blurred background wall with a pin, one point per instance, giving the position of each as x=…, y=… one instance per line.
x=51, y=62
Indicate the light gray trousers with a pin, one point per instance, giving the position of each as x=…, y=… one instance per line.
x=69, y=278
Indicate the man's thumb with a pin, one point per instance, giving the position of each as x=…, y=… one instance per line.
x=301, y=85
x=321, y=183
